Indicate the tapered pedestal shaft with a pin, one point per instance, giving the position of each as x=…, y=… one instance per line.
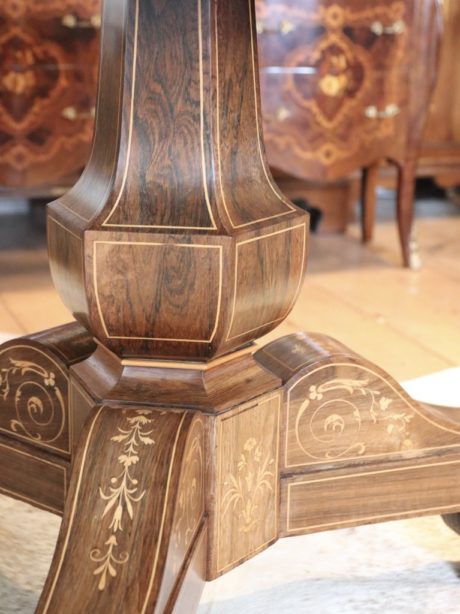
x=176, y=243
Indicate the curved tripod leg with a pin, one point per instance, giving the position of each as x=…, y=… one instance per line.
x=355, y=448
x=133, y=525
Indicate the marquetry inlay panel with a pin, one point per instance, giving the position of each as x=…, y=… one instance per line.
x=247, y=482
x=334, y=81
x=346, y=412
x=33, y=397
x=48, y=76
x=123, y=491
x=115, y=502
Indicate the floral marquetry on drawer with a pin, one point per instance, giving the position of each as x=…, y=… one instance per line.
x=48, y=73
x=334, y=81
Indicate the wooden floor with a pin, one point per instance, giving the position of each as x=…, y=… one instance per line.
x=407, y=322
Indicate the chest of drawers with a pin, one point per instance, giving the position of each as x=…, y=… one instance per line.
x=440, y=153
x=48, y=73
x=345, y=85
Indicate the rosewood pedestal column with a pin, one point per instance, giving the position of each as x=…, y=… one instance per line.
x=189, y=449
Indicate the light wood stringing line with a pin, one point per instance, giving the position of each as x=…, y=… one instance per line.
x=235, y=289
x=364, y=474
x=72, y=512
x=348, y=458
x=52, y=219
x=163, y=517
x=142, y=243
x=218, y=148
x=130, y=135
x=199, y=422
x=192, y=365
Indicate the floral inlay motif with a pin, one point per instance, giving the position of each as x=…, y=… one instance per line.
x=35, y=401
x=254, y=478
x=123, y=493
x=333, y=423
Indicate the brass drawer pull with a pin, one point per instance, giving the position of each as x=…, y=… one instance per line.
x=72, y=22
x=73, y=115
x=285, y=27
x=280, y=115
x=391, y=110
x=398, y=27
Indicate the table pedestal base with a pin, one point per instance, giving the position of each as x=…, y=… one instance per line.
x=183, y=471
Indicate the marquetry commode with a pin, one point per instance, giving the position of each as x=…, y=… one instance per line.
x=174, y=448
x=345, y=86
x=48, y=74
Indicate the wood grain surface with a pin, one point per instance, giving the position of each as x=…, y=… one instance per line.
x=209, y=387
x=178, y=190
x=127, y=521
x=372, y=494
x=355, y=448
x=175, y=244
x=33, y=476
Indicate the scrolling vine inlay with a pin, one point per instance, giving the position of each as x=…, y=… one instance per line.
x=334, y=425
x=122, y=493
x=33, y=394
x=345, y=412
